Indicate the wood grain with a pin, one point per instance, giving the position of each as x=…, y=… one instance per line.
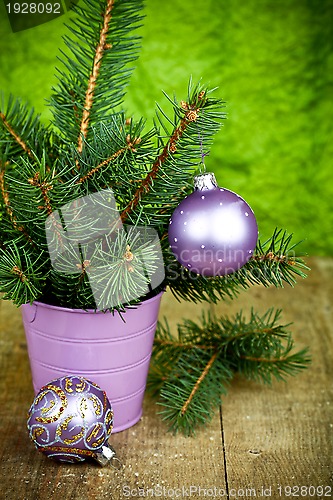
x=283, y=435
x=263, y=436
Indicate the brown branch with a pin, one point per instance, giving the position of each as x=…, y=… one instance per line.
x=3, y=190
x=271, y=257
x=16, y=270
x=102, y=164
x=169, y=148
x=263, y=360
x=266, y=331
x=191, y=115
x=16, y=136
x=45, y=187
x=102, y=45
x=130, y=146
x=182, y=345
x=5, y=197
x=83, y=268
x=198, y=382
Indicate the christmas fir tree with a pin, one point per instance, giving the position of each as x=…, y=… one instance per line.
x=94, y=146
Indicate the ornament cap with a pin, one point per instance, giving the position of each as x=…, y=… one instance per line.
x=203, y=182
x=106, y=455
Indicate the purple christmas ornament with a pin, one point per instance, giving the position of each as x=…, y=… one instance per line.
x=213, y=231
x=70, y=420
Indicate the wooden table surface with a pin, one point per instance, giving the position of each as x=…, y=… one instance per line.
x=264, y=441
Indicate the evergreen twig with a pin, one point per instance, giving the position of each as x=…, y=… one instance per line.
x=15, y=135
x=193, y=109
x=101, y=47
x=275, y=262
x=190, y=372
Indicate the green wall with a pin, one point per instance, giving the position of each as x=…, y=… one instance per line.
x=273, y=63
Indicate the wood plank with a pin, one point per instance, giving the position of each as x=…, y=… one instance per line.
x=282, y=435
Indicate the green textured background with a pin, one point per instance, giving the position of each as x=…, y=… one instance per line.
x=273, y=63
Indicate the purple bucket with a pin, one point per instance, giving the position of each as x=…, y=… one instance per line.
x=102, y=347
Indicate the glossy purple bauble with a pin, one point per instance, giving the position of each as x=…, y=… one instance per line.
x=213, y=231
x=70, y=419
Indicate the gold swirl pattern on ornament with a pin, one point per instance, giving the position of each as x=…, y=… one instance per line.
x=96, y=403
x=83, y=407
x=108, y=421
x=68, y=385
x=48, y=408
x=64, y=425
x=68, y=451
x=99, y=442
x=105, y=402
x=75, y=438
x=63, y=399
x=80, y=387
x=36, y=432
x=94, y=433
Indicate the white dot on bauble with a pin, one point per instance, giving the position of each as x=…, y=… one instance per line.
x=202, y=197
x=185, y=223
x=246, y=213
x=202, y=246
x=220, y=260
x=182, y=211
x=176, y=240
x=221, y=189
x=221, y=203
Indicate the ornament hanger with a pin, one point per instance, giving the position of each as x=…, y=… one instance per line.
x=107, y=456
x=202, y=165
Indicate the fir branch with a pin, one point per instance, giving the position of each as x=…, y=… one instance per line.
x=107, y=273
x=198, y=382
x=203, y=358
x=131, y=145
x=5, y=195
x=163, y=343
x=22, y=274
x=74, y=289
x=191, y=112
x=15, y=135
x=101, y=46
x=44, y=187
x=16, y=270
x=274, y=262
x=260, y=368
x=192, y=390
x=9, y=211
x=35, y=191
x=147, y=182
x=22, y=134
x=96, y=69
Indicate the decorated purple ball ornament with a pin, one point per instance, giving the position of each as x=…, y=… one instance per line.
x=213, y=231
x=71, y=420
